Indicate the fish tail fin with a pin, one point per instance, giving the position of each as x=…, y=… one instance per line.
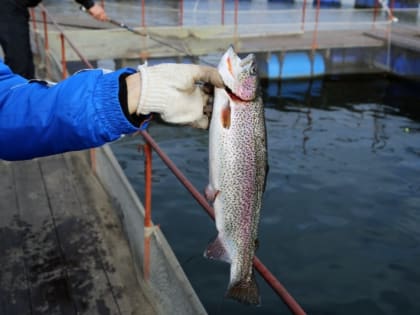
x=246, y=292
x=217, y=251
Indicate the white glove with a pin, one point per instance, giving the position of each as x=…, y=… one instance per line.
x=172, y=91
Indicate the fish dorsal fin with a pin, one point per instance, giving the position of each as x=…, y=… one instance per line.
x=217, y=251
x=225, y=115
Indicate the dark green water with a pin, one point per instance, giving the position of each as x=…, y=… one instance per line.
x=340, y=225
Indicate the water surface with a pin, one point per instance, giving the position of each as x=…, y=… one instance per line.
x=340, y=224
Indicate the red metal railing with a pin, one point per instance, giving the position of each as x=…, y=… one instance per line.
x=64, y=39
x=147, y=149
x=288, y=299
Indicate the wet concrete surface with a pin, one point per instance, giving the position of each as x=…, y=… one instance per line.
x=62, y=250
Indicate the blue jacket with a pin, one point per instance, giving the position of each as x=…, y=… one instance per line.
x=37, y=119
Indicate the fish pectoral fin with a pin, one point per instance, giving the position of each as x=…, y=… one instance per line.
x=217, y=251
x=210, y=193
x=245, y=291
x=225, y=116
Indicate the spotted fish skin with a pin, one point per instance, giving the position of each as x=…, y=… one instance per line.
x=237, y=172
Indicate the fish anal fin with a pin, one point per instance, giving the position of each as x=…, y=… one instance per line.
x=210, y=193
x=217, y=251
x=245, y=291
x=225, y=116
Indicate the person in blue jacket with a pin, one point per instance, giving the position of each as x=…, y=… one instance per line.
x=93, y=107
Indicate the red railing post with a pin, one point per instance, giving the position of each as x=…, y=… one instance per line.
x=375, y=13
x=302, y=25
x=259, y=266
x=148, y=185
x=34, y=26
x=315, y=35
x=45, y=14
x=147, y=149
x=181, y=13
x=44, y=20
x=46, y=44
x=63, y=57
x=236, y=11
x=143, y=13
x=223, y=12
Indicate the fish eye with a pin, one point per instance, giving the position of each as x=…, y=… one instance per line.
x=253, y=70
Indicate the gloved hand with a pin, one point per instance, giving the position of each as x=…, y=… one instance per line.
x=172, y=91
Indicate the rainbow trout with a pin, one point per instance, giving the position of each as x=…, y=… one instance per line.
x=237, y=172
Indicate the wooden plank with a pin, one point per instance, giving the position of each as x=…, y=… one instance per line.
x=48, y=283
x=78, y=239
x=14, y=292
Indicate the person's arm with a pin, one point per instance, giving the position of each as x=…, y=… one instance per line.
x=81, y=112
x=92, y=107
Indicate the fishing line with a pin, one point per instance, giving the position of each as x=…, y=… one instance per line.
x=191, y=259
x=152, y=37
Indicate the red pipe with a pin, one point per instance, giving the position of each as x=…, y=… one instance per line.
x=63, y=56
x=291, y=303
x=33, y=17
x=375, y=13
x=78, y=53
x=143, y=14
x=236, y=11
x=223, y=12
x=44, y=19
x=46, y=44
x=195, y=193
x=181, y=13
x=148, y=185
x=302, y=25
x=315, y=39
x=147, y=149
x=86, y=62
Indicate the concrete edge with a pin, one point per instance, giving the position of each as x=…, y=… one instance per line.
x=126, y=199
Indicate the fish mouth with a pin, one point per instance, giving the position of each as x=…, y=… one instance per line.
x=233, y=96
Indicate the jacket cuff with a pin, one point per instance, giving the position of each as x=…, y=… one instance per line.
x=108, y=106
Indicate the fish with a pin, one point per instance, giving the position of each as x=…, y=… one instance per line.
x=237, y=172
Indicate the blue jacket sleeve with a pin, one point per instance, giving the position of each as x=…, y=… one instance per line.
x=37, y=119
